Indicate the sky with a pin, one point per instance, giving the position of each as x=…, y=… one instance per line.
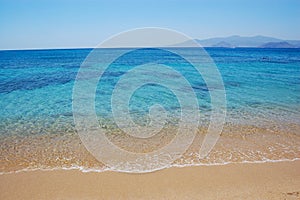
x=26, y=24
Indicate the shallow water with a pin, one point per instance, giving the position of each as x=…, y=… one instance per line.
x=37, y=128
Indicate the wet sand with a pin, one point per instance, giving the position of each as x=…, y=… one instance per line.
x=279, y=180
x=237, y=144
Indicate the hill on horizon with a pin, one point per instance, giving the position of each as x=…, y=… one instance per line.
x=234, y=41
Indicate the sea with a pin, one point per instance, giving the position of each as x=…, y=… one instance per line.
x=38, y=131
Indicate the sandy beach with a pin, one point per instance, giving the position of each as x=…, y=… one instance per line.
x=279, y=180
x=150, y=100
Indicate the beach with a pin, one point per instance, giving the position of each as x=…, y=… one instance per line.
x=149, y=100
x=44, y=156
x=278, y=180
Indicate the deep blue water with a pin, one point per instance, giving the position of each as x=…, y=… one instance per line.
x=36, y=86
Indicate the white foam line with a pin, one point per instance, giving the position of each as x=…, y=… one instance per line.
x=80, y=168
x=242, y=162
x=85, y=170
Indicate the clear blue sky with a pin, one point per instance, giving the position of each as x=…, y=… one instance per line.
x=85, y=23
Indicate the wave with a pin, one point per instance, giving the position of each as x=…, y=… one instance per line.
x=93, y=170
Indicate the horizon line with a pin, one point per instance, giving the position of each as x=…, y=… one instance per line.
x=85, y=47
x=82, y=48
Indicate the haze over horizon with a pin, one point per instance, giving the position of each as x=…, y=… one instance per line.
x=47, y=24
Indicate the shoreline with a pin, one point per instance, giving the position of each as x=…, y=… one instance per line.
x=237, y=144
x=94, y=170
x=269, y=180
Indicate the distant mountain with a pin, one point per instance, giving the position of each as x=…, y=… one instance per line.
x=223, y=44
x=239, y=41
x=277, y=45
x=296, y=43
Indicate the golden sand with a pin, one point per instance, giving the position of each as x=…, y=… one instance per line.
x=272, y=181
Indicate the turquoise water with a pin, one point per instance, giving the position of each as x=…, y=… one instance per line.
x=37, y=84
x=262, y=89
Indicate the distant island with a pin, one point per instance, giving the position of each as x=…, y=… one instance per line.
x=278, y=45
x=236, y=41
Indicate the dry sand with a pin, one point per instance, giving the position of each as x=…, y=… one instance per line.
x=279, y=180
